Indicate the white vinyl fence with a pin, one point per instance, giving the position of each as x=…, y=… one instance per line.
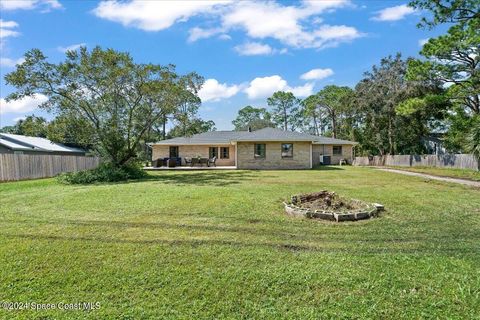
x=26, y=166
x=459, y=161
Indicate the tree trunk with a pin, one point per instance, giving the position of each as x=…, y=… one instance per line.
x=285, y=122
x=334, y=125
x=391, y=150
x=315, y=124
x=164, y=125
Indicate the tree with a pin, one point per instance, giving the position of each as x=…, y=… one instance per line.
x=285, y=108
x=473, y=139
x=453, y=60
x=8, y=129
x=119, y=99
x=253, y=118
x=193, y=126
x=447, y=11
x=313, y=116
x=333, y=100
x=190, y=103
x=30, y=126
x=380, y=96
x=71, y=130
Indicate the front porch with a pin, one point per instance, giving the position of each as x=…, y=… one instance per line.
x=194, y=156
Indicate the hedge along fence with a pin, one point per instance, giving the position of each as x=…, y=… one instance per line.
x=27, y=166
x=459, y=161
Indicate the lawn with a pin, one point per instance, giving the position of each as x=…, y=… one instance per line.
x=445, y=172
x=202, y=245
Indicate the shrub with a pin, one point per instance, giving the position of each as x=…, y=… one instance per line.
x=105, y=172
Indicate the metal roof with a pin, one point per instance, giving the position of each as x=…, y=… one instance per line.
x=19, y=142
x=13, y=145
x=266, y=134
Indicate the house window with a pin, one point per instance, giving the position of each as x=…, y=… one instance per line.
x=259, y=151
x=213, y=152
x=224, y=152
x=173, y=152
x=337, y=150
x=287, y=150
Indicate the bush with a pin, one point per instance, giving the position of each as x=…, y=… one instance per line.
x=105, y=172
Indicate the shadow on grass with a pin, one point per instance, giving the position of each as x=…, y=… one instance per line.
x=338, y=247
x=327, y=168
x=202, y=178
x=294, y=240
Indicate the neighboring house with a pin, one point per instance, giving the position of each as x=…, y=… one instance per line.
x=268, y=148
x=18, y=144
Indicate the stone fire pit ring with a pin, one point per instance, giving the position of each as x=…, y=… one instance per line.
x=297, y=207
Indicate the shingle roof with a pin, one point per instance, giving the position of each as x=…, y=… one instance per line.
x=19, y=142
x=266, y=134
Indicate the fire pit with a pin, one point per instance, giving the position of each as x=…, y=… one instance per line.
x=327, y=205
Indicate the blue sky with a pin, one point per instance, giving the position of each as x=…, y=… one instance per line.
x=245, y=50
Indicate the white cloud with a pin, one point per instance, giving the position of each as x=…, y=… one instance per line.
x=253, y=48
x=199, y=33
x=302, y=91
x=6, y=29
x=293, y=25
x=317, y=74
x=265, y=86
x=393, y=13
x=212, y=90
x=422, y=42
x=262, y=20
x=257, y=48
x=10, y=63
x=29, y=4
x=153, y=15
x=72, y=47
x=19, y=118
x=8, y=24
x=23, y=105
x=224, y=37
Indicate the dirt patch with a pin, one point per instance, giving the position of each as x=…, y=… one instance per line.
x=327, y=201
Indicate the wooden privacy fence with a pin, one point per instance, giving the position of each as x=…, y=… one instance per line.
x=459, y=161
x=26, y=166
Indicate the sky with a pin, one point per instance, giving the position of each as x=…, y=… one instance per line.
x=244, y=50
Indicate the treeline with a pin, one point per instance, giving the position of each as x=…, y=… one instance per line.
x=105, y=101
x=399, y=101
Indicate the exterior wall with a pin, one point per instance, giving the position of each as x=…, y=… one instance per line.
x=273, y=158
x=327, y=150
x=192, y=151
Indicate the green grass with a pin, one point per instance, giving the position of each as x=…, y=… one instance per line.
x=202, y=245
x=445, y=172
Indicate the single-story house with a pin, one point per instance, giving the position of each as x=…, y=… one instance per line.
x=267, y=148
x=18, y=144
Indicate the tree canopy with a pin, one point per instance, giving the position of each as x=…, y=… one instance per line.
x=284, y=109
x=119, y=99
x=253, y=118
x=30, y=126
x=447, y=11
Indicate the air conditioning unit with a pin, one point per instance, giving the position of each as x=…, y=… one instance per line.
x=321, y=159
